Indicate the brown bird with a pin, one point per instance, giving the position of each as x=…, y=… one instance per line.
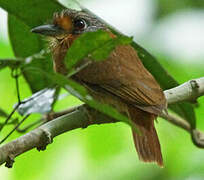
x=121, y=80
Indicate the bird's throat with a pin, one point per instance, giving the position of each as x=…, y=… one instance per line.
x=59, y=50
x=59, y=53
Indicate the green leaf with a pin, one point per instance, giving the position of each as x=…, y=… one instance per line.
x=104, y=51
x=23, y=42
x=24, y=47
x=24, y=15
x=84, y=45
x=32, y=13
x=95, y=45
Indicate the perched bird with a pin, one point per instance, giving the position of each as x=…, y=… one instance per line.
x=121, y=80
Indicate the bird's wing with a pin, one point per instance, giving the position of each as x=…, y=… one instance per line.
x=124, y=76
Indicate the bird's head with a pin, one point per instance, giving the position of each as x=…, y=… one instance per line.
x=66, y=26
x=69, y=23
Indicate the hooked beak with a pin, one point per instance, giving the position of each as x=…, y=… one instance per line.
x=48, y=30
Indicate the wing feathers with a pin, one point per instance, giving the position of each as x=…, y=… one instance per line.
x=124, y=76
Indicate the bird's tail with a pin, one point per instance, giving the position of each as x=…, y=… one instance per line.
x=147, y=142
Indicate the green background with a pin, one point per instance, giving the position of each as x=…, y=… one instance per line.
x=107, y=151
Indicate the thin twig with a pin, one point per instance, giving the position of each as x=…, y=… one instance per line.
x=176, y=120
x=29, y=126
x=16, y=76
x=14, y=128
x=196, y=135
x=10, y=115
x=11, y=59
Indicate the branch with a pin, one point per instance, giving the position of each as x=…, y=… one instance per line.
x=79, y=117
x=196, y=135
x=188, y=91
x=42, y=136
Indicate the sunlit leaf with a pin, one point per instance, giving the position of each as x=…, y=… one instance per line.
x=95, y=45
x=104, y=51
x=40, y=102
x=85, y=45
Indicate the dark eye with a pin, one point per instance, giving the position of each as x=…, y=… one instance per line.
x=79, y=24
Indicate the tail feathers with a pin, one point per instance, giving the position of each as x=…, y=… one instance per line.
x=147, y=143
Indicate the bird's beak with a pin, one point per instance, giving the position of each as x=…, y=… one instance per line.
x=48, y=30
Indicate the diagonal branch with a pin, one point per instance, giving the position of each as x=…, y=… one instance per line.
x=42, y=136
x=189, y=91
x=79, y=117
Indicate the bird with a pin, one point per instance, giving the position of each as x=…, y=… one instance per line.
x=120, y=81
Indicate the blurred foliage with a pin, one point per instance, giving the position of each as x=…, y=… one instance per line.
x=166, y=7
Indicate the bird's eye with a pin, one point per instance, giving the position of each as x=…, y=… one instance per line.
x=79, y=24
